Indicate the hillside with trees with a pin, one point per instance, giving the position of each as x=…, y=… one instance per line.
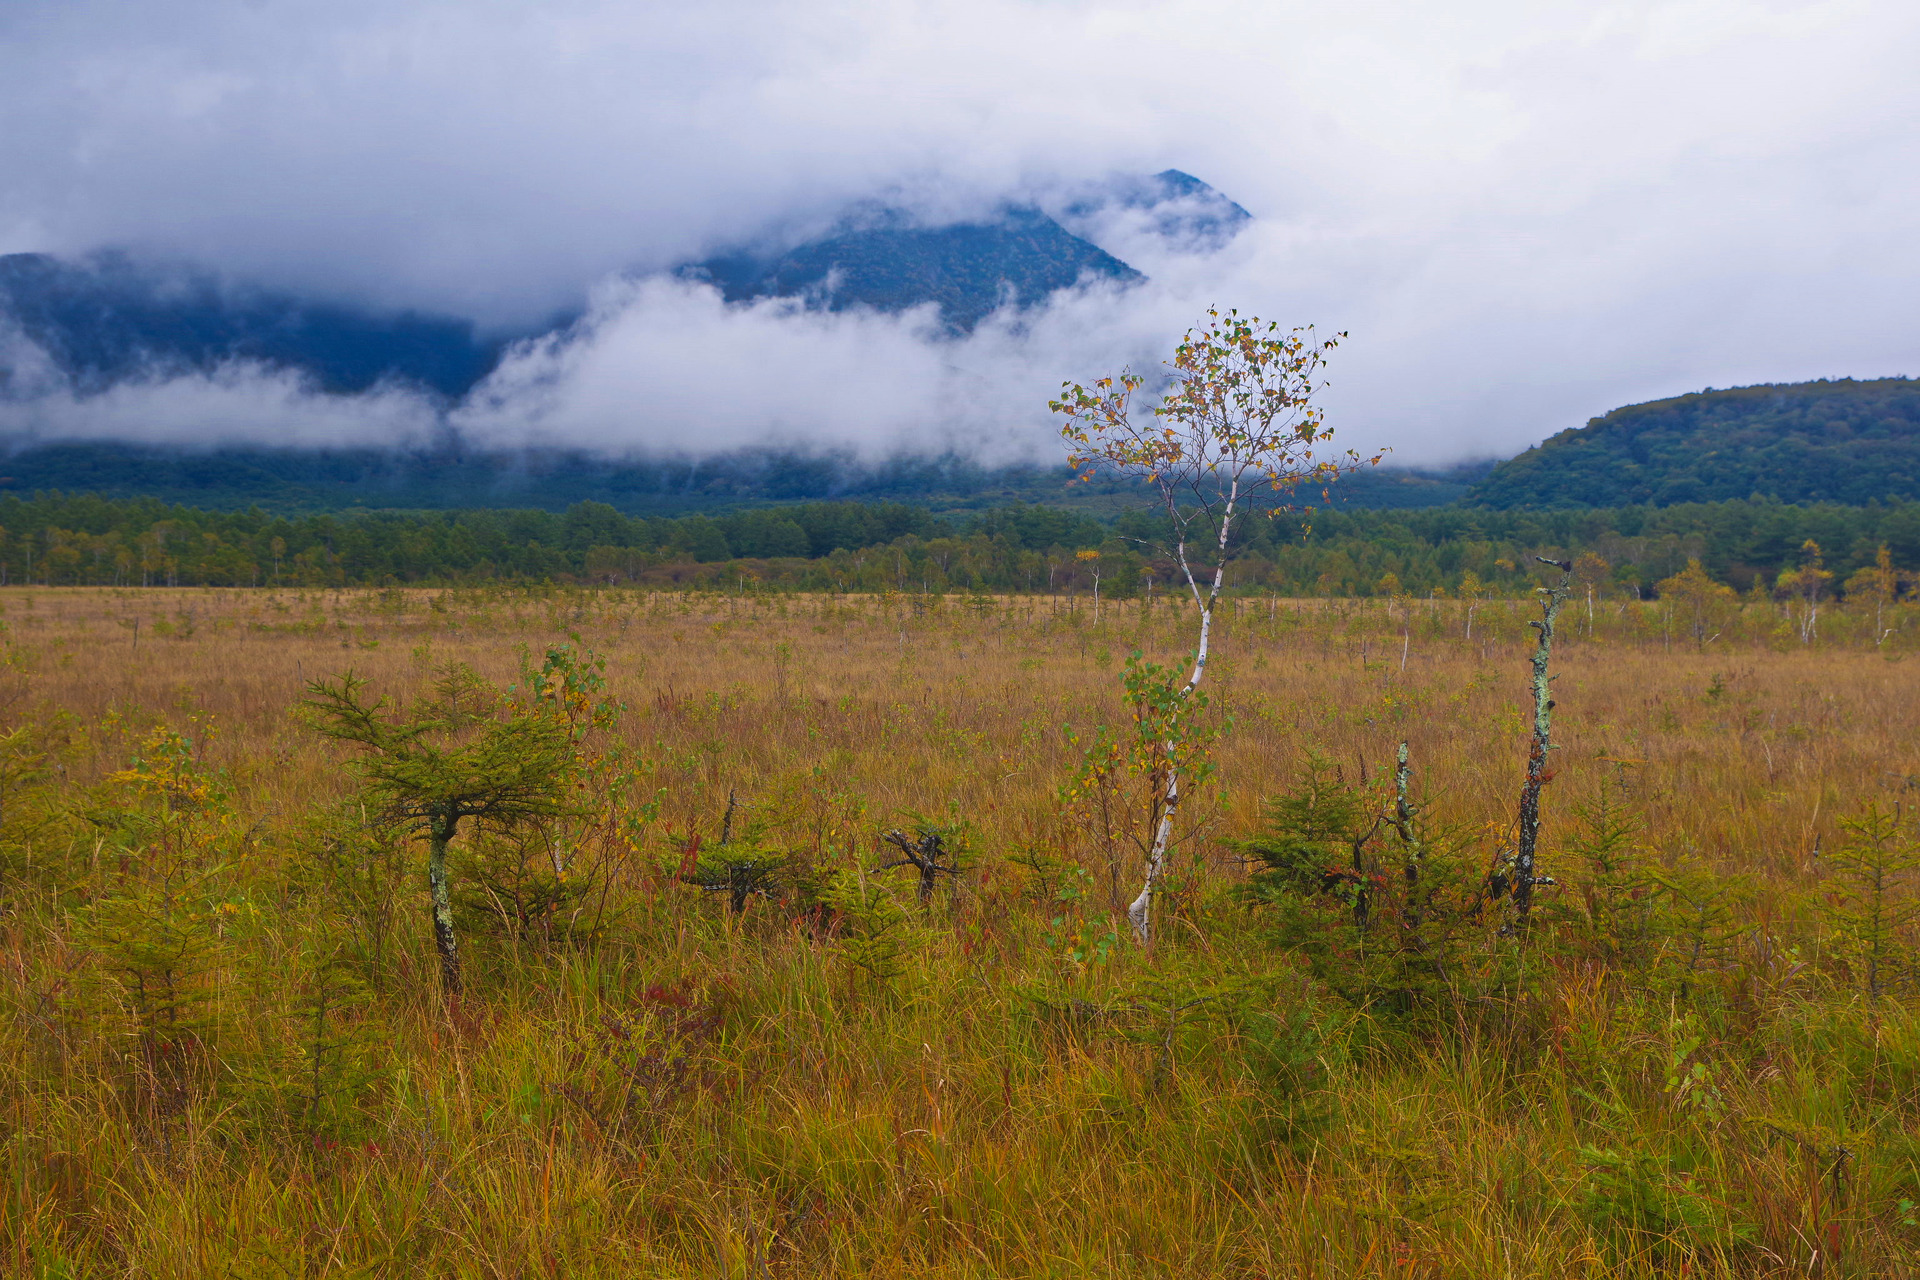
x=1840, y=441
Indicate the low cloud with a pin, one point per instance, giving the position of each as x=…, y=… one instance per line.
x=236, y=403
x=1525, y=213
x=664, y=365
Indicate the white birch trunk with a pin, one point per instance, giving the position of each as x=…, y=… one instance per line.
x=1140, y=911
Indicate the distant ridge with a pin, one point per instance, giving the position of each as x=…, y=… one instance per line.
x=1828, y=441
x=105, y=320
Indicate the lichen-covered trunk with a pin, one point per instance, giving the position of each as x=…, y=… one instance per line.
x=1537, y=752
x=439, y=835
x=1403, y=813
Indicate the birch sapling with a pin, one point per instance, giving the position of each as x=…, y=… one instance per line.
x=1236, y=418
x=1538, y=775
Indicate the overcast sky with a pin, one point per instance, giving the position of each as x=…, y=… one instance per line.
x=1524, y=213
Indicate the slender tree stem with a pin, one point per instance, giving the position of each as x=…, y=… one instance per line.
x=439, y=835
x=1537, y=772
x=1403, y=812
x=1140, y=910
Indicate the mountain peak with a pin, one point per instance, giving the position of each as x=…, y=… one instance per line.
x=880, y=256
x=1174, y=204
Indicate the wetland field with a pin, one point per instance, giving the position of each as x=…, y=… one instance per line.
x=706, y=1022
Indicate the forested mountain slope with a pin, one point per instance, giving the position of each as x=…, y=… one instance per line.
x=1840, y=441
x=967, y=269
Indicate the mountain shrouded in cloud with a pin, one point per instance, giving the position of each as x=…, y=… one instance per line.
x=106, y=319
x=1523, y=213
x=86, y=339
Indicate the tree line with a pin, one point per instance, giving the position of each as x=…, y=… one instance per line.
x=77, y=539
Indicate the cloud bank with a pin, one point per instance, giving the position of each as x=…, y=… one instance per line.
x=1523, y=213
x=239, y=403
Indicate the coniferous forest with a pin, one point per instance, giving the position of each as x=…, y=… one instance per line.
x=853, y=546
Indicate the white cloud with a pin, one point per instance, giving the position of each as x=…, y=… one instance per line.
x=664, y=365
x=237, y=403
x=1525, y=212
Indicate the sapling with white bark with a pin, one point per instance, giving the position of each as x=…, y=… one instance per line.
x=1235, y=420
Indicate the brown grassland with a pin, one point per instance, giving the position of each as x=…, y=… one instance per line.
x=224, y=1051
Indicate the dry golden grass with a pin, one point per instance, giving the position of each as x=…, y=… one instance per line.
x=915, y=708
x=945, y=1123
